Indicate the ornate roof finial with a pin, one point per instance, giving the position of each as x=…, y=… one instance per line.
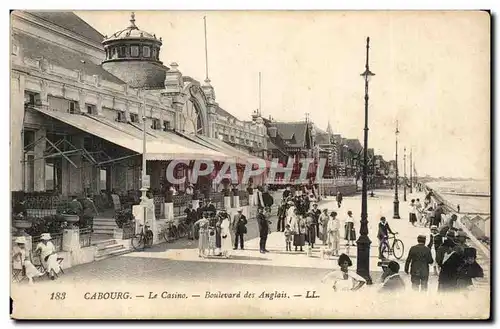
x=132, y=20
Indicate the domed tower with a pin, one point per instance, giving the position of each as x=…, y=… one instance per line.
x=133, y=56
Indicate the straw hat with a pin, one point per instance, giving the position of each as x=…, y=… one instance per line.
x=45, y=236
x=20, y=240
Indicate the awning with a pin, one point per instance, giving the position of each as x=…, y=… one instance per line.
x=226, y=148
x=119, y=134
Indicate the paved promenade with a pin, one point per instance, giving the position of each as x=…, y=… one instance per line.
x=181, y=257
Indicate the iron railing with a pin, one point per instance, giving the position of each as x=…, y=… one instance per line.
x=57, y=241
x=85, y=237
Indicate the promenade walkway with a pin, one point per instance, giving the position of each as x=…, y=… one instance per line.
x=379, y=205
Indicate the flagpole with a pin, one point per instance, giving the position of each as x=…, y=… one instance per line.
x=206, y=47
x=260, y=93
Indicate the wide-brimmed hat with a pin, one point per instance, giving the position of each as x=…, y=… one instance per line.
x=240, y=210
x=393, y=266
x=20, y=240
x=434, y=227
x=344, y=258
x=45, y=236
x=450, y=234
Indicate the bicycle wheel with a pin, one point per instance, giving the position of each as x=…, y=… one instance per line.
x=398, y=248
x=385, y=249
x=138, y=242
x=181, y=231
x=174, y=232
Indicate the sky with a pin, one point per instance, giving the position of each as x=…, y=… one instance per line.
x=432, y=74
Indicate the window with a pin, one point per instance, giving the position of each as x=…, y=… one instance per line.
x=102, y=180
x=134, y=117
x=123, y=52
x=120, y=116
x=87, y=143
x=29, y=173
x=53, y=174
x=155, y=53
x=134, y=51
x=146, y=51
x=166, y=126
x=91, y=109
x=29, y=138
x=72, y=107
x=155, y=124
x=49, y=177
x=31, y=98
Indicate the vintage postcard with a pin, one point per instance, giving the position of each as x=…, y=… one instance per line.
x=250, y=164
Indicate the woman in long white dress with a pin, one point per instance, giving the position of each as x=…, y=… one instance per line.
x=226, y=241
x=333, y=228
x=343, y=279
x=48, y=255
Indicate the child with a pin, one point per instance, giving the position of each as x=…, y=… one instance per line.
x=202, y=223
x=288, y=237
x=212, y=237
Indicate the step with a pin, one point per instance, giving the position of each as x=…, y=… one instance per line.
x=103, y=243
x=104, y=220
x=113, y=254
x=103, y=231
x=109, y=226
x=109, y=249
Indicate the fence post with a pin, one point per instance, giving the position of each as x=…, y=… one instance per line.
x=71, y=239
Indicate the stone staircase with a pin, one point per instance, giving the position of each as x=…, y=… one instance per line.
x=104, y=225
x=109, y=248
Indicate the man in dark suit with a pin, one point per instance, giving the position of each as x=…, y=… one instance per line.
x=88, y=212
x=419, y=259
x=263, y=230
x=383, y=231
x=238, y=227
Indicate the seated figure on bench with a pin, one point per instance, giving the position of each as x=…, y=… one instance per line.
x=21, y=264
x=48, y=256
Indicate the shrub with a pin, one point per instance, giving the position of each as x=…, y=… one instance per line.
x=124, y=218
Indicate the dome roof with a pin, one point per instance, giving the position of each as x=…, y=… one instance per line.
x=131, y=32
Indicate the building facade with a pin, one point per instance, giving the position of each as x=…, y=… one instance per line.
x=78, y=100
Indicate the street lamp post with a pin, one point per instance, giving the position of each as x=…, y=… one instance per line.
x=145, y=181
x=363, y=243
x=404, y=170
x=396, y=194
x=411, y=172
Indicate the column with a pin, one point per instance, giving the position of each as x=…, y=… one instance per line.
x=16, y=126
x=40, y=163
x=76, y=185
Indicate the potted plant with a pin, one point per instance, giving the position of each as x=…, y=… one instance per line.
x=124, y=220
x=21, y=223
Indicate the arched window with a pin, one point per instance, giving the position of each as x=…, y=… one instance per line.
x=134, y=51
x=146, y=51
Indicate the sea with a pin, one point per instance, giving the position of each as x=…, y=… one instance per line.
x=473, y=196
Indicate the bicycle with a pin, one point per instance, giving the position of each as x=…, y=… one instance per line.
x=143, y=240
x=397, y=248
x=169, y=233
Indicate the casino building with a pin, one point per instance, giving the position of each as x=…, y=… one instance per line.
x=78, y=99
